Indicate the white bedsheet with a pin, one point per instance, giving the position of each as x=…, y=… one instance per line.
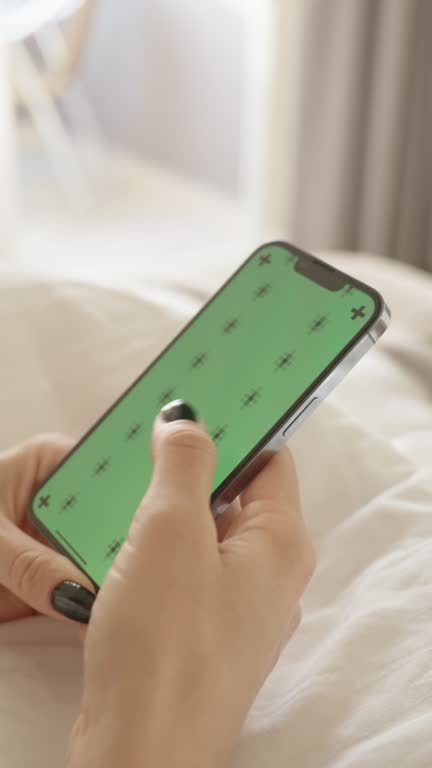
x=354, y=688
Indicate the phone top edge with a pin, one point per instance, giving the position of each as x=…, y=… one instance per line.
x=381, y=324
x=380, y=303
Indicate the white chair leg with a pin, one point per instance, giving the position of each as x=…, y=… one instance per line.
x=54, y=49
x=52, y=131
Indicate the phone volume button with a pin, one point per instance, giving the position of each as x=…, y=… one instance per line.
x=294, y=426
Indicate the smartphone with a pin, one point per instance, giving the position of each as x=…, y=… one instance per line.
x=255, y=362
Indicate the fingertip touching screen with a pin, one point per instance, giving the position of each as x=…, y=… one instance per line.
x=244, y=362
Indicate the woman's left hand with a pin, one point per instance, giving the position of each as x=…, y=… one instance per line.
x=30, y=570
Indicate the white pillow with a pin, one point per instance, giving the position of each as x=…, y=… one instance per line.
x=69, y=347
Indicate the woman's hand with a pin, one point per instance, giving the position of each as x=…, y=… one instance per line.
x=186, y=628
x=32, y=575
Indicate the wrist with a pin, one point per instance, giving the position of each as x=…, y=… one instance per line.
x=105, y=744
x=124, y=723
x=121, y=739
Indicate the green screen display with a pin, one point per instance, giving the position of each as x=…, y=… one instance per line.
x=243, y=363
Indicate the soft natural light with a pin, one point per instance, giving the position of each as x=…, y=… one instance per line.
x=19, y=18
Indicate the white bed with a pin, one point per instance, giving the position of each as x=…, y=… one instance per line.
x=354, y=688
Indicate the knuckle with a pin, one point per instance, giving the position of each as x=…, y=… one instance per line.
x=302, y=561
x=309, y=560
x=51, y=440
x=27, y=571
x=289, y=457
x=189, y=438
x=296, y=618
x=43, y=449
x=292, y=625
x=285, y=537
x=41, y=441
x=298, y=552
x=161, y=523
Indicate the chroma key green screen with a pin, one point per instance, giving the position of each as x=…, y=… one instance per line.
x=243, y=363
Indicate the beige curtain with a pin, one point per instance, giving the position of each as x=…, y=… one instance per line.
x=363, y=159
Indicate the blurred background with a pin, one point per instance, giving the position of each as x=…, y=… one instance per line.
x=134, y=132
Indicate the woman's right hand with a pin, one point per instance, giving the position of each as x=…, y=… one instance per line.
x=186, y=628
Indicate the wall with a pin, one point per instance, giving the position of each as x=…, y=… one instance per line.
x=168, y=80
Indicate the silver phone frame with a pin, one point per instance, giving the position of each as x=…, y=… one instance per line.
x=308, y=406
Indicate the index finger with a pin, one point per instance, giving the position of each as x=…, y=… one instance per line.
x=269, y=533
x=277, y=482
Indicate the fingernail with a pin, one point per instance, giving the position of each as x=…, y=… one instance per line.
x=177, y=411
x=73, y=601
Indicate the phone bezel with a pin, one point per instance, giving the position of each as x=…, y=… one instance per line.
x=268, y=438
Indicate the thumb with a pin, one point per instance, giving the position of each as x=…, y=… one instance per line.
x=184, y=461
x=41, y=578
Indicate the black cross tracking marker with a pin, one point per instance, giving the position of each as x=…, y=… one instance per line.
x=219, y=434
x=231, y=326
x=114, y=548
x=44, y=502
x=166, y=397
x=102, y=467
x=264, y=290
x=318, y=324
x=356, y=313
x=199, y=361
x=285, y=361
x=69, y=503
x=251, y=398
x=265, y=260
x=134, y=432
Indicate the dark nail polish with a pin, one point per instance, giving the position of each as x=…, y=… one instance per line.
x=177, y=411
x=73, y=601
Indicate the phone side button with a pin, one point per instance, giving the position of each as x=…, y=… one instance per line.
x=296, y=424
